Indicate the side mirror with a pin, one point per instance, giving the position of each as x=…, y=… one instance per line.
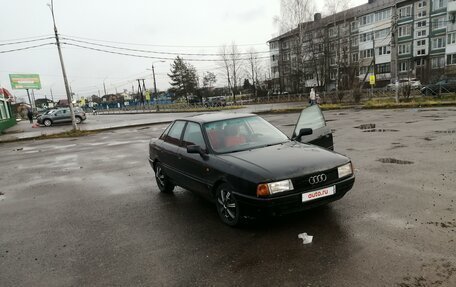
x=304, y=132
x=196, y=149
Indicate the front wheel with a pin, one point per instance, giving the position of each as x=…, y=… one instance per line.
x=227, y=206
x=78, y=120
x=47, y=122
x=163, y=182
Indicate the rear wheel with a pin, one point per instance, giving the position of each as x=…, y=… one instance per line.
x=227, y=206
x=47, y=122
x=78, y=120
x=163, y=182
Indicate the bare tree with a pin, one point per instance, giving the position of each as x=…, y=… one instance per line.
x=254, y=68
x=231, y=64
x=294, y=15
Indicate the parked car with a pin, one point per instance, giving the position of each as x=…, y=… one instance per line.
x=215, y=102
x=60, y=115
x=415, y=84
x=247, y=166
x=443, y=86
x=194, y=100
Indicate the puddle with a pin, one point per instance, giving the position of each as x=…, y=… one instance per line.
x=411, y=122
x=438, y=119
x=447, y=224
x=366, y=126
x=428, y=139
x=398, y=146
x=379, y=131
x=288, y=125
x=446, y=132
x=393, y=160
x=143, y=128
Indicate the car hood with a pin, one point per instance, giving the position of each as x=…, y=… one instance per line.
x=288, y=160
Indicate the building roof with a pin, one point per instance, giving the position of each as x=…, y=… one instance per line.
x=6, y=93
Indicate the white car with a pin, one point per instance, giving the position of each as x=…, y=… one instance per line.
x=415, y=84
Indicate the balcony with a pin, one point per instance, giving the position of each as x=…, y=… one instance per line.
x=451, y=7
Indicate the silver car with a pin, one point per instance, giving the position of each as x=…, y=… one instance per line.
x=61, y=115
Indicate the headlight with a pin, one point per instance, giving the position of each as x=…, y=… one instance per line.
x=265, y=189
x=345, y=170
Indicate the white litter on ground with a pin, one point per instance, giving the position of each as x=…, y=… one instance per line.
x=306, y=239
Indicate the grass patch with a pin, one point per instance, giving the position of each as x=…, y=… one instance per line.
x=386, y=103
x=68, y=134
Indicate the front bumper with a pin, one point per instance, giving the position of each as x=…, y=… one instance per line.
x=292, y=202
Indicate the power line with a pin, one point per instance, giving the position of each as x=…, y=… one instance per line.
x=162, y=52
x=25, y=38
x=26, y=41
x=163, y=46
x=148, y=57
x=26, y=48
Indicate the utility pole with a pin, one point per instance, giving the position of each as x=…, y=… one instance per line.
x=373, y=68
x=104, y=87
x=52, y=96
x=28, y=95
x=394, y=72
x=140, y=92
x=157, y=108
x=65, y=80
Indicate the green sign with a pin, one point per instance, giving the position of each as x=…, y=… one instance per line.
x=147, y=96
x=25, y=81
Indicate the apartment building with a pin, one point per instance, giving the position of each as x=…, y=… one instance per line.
x=386, y=38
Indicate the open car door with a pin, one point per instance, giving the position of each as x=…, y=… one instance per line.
x=311, y=128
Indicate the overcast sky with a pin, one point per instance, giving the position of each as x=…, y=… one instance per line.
x=196, y=26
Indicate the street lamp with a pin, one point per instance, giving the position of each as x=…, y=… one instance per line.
x=155, y=84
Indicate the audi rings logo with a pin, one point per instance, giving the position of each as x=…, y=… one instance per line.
x=317, y=178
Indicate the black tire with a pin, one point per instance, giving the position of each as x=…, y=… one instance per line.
x=78, y=119
x=47, y=122
x=227, y=206
x=163, y=182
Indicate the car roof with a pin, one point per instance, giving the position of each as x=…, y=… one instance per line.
x=213, y=117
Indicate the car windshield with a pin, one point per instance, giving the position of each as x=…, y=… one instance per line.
x=239, y=134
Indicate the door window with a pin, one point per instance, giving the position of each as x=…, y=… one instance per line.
x=175, y=133
x=311, y=118
x=193, y=135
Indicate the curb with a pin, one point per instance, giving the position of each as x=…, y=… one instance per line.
x=91, y=130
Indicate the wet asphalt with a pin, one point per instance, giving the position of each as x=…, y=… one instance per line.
x=87, y=212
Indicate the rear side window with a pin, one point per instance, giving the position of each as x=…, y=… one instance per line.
x=174, y=134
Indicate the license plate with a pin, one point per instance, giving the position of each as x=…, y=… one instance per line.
x=318, y=193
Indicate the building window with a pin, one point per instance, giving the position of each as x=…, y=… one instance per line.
x=403, y=66
x=354, y=57
x=364, y=70
x=382, y=15
x=404, y=49
x=419, y=62
x=451, y=59
x=382, y=33
x=438, y=23
x=421, y=24
x=354, y=26
x=421, y=33
x=438, y=4
x=285, y=45
x=420, y=43
x=451, y=38
x=332, y=32
x=405, y=12
x=438, y=43
x=354, y=41
x=365, y=37
x=421, y=4
x=367, y=19
x=383, y=68
x=421, y=52
x=421, y=14
x=369, y=53
x=405, y=30
x=384, y=50
x=438, y=62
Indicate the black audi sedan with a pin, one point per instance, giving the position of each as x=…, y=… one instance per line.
x=248, y=167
